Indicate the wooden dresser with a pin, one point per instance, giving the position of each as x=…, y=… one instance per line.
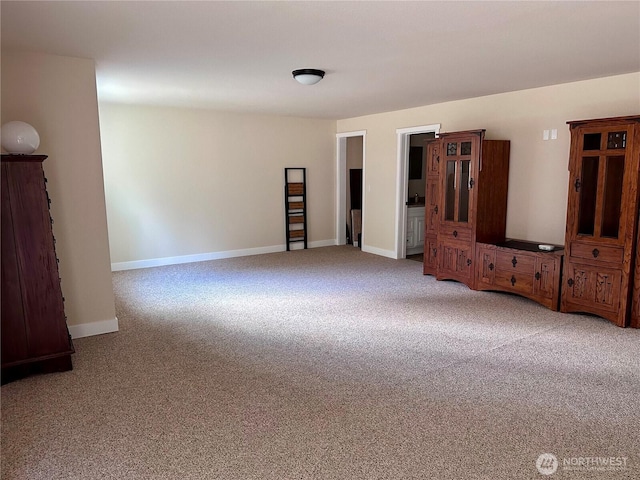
x=35, y=337
x=520, y=267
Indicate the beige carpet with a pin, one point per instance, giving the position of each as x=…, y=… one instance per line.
x=327, y=363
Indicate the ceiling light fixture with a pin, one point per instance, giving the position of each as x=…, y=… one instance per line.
x=308, y=76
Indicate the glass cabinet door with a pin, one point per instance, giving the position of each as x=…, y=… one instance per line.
x=458, y=181
x=612, y=196
x=588, y=190
x=599, y=184
x=463, y=196
x=450, y=191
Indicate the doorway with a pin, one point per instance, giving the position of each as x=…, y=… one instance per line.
x=416, y=188
x=350, y=155
x=407, y=187
x=354, y=195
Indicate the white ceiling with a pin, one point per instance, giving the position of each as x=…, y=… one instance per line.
x=379, y=56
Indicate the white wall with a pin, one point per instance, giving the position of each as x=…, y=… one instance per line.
x=193, y=183
x=57, y=95
x=538, y=176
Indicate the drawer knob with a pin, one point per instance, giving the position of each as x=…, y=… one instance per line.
x=455, y=233
x=513, y=280
x=538, y=275
x=514, y=262
x=570, y=282
x=491, y=266
x=595, y=253
x=468, y=262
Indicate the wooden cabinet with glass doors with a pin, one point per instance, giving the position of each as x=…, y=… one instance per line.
x=602, y=218
x=473, y=175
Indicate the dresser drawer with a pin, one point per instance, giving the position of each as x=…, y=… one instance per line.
x=601, y=253
x=515, y=262
x=451, y=232
x=514, y=282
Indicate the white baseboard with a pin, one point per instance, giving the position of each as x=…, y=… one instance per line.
x=203, y=257
x=322, y=243
x=379, y=251
x=94, y=328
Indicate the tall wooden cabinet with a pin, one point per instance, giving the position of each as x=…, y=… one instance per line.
x=34, y=330
x=602, y=218
x=473, y=180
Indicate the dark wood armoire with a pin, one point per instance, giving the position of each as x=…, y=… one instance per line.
x=35, y=337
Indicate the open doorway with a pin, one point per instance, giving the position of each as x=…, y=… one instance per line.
x=416, y=188
x=354, y=191
x=410, y=188
x=350, y=200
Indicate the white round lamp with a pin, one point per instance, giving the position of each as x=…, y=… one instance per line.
x=308, y=76
x=19, y=138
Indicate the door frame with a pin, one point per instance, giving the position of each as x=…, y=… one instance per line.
x=341, y=184
x=402, y=182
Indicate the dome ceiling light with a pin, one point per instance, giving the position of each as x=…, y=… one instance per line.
x=308, y=76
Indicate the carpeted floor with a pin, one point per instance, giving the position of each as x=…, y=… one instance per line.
x=327, y=363
x=418, y=257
